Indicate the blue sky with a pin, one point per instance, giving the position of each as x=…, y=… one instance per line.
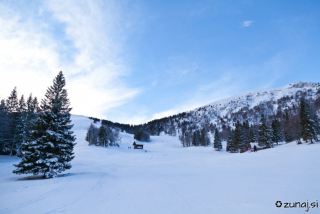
x=134, y=61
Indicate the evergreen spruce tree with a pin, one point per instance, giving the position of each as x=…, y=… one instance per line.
x=21, y=125
x=29, y=103
x=230, y=142
x=244, y=145
x=217, y=140
x=238, y=137
x=308, y=122
x=265, y=133
x=139, y=135
x=12, y=104
x=4, y=127
x=194, y=139
x=28, y=115
x=277, y=132
x=287, y=136
x=252, y=137
x=317, y=124
x=245, y=130
x=35, y=105
x=103, y=135
x=49, y=149
x=3, y=105
x=12, y=107
x=22, y=105
x=287, y=116
x=32, y=109
x=198, y=137
x=203, y=137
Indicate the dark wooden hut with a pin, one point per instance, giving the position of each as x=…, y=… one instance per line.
x=137, y=146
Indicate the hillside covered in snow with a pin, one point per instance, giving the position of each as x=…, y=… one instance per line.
x=268, y=101
x=275, y=103
x=166, y=178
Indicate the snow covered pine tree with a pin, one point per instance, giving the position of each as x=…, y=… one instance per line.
x=49, y=149
x=265, y=133
x=230, y=142
x=217, y=140
x=307, y=122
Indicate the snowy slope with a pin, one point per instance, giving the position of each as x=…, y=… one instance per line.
x=166, y=179
x=255, y=97
x=246, y=106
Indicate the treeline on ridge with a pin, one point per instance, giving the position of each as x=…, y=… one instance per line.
x=284, y=121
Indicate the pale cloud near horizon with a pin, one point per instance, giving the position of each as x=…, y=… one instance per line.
x=231, y=82
x=247, y=23
x=204, y=95
x=93, y=62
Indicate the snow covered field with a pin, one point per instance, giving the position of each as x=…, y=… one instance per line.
x=166, y=179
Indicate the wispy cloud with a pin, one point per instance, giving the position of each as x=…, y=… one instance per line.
x=222, y=87
x=247, y=23
x=27, y=54
x=180, y=69
x=231, y=81
x=84, y=39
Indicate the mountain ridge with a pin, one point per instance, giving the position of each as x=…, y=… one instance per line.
x=254, y=97
x=224, y=113
x=296, y=85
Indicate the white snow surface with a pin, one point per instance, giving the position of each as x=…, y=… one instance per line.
x=166, y=179
x=252, y=98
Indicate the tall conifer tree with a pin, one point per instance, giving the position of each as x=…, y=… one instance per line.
x=230, y=142
x=265, y=133
x=12, y=107
x=277, y=132
x=49, y=149
x=252, y=137
x=4, y=126
x=198, y=137
x=194, y=138
x=238, y=136
x=12, y=104
x=308, y=122
x=203, y=137
x=21, y=124
x=103, y=135
x=217, y=140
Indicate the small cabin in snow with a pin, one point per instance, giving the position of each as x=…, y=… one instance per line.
x=258, y=147
x=137, y=146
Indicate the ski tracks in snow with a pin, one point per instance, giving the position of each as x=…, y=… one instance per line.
x=31, y=202
x=179, y=200
x=78, y=201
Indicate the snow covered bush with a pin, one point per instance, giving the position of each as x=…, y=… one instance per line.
x=103, y=136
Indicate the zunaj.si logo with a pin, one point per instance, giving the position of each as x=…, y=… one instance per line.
x=297, y=205
x=278, y=204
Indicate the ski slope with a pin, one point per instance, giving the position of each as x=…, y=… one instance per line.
x=166, y=179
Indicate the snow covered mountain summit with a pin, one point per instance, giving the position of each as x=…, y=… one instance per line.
x=246, y=106
x=271, y=100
